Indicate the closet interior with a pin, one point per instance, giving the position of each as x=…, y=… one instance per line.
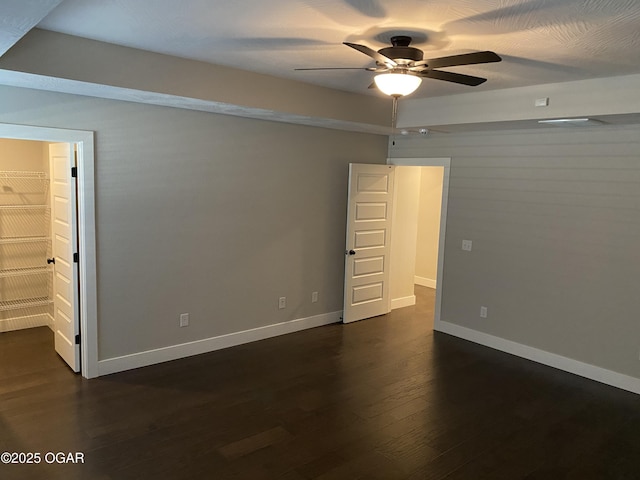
x=26, y=277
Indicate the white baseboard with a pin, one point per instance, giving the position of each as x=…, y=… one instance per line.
x=425, y=282
x=174, y=352
x=403, y=302
x=20, y=323
x=609, y=377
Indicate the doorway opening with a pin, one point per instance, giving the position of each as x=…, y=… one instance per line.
x=423, y=214
x=26, y=298
x=371, y=229
x=27, y=237
x=38, y=239
x=415, y=234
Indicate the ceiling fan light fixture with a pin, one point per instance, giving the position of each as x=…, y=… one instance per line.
x=397, y=84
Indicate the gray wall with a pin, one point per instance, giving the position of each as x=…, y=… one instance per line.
x=213, y=215
x=49, y=59
x=554, y=216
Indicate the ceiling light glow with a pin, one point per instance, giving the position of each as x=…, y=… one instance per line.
x=397, y=84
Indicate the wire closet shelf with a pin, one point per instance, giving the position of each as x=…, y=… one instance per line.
x=25, y=244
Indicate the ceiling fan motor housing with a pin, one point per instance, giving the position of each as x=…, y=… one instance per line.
x=401, y=50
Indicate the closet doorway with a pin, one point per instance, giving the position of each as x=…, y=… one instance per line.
x=38, y=275
x=47, y=239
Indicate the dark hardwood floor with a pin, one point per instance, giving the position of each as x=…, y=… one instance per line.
x=384, y=398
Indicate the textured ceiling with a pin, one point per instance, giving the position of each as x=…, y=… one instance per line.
x=541, y=41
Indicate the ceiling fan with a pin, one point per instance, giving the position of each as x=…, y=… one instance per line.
x=401, y=68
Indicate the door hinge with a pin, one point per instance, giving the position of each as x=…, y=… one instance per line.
x=76, y=258
x=78, y=339
x=74, y=172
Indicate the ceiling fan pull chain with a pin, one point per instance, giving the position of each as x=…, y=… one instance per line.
x=394, y=119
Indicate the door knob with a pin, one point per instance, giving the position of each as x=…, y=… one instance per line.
x=351, y=252
x=51, y=260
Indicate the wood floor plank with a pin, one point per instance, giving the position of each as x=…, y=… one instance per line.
x=254, y=442
x=384, y=398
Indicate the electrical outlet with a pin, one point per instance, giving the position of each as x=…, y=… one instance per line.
x=184, y=319
x=483, y=312
x=467, y=245
x=282, y=303
x=314, y=297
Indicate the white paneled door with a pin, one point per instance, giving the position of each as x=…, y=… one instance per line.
x=64, y=245
x=366, y=286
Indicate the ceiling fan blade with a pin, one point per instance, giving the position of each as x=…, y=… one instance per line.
x=452, y=77
x=337, y=68
x=378, y=57
x=464, y=59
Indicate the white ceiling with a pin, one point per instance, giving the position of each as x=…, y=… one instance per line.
x=541, y=41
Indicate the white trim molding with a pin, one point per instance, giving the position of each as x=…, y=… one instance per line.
x=29, y=321
x=174, y=352
x=425, y=282
x=403, y=302
x=602, y=375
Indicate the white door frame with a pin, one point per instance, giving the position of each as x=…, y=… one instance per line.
x=444, y=162
x=86, y=230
